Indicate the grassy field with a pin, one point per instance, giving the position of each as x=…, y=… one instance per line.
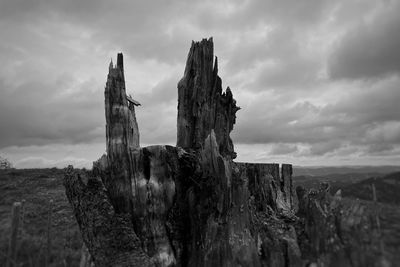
x=37, y=187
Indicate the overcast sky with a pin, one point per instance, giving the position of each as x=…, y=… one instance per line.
x=318, y=81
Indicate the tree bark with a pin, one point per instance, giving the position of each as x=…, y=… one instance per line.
x=202, y=105
x=108, y=235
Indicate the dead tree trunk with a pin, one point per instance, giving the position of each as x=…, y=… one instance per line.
x=108, y=235
x=191, y=205
x=122, y=136
x=202, y=105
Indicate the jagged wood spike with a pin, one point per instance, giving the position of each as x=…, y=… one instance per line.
x=202, y=106
x=122, y=136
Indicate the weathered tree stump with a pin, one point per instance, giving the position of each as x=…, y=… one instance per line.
x=192, y=205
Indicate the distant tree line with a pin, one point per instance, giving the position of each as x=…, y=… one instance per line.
x=5, y=164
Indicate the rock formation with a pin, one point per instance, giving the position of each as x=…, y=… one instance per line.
x=192, y=205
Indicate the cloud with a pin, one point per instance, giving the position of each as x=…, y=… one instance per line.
x=283, y=149
x=369, y=50
x=37, y=113
x=385, y=132
x=364, y=118
x=323, y=148
x=316, y=80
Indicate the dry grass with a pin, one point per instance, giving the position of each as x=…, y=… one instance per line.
x=37, y=187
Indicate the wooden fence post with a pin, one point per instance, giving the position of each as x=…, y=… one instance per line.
x=373, y=193
x=22, y=217
x=48, y=250
x=12, y=250
x=377, y=219
x=376, y=208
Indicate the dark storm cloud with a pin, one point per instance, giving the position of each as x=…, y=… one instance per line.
x=376, y=102
x=283, y=149
x=245, y=13
x=277, y=60
x=51, y=90
x=369, y=50
x=139, y=28
x=274, y=122
x=320, y=149
x=34, y=114
x=364, y=117
x=378, y=148
x=164, y=92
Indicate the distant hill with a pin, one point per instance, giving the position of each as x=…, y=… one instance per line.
x=336, y=180
x=356, y=184
x=322, y=171
x=387, y=189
